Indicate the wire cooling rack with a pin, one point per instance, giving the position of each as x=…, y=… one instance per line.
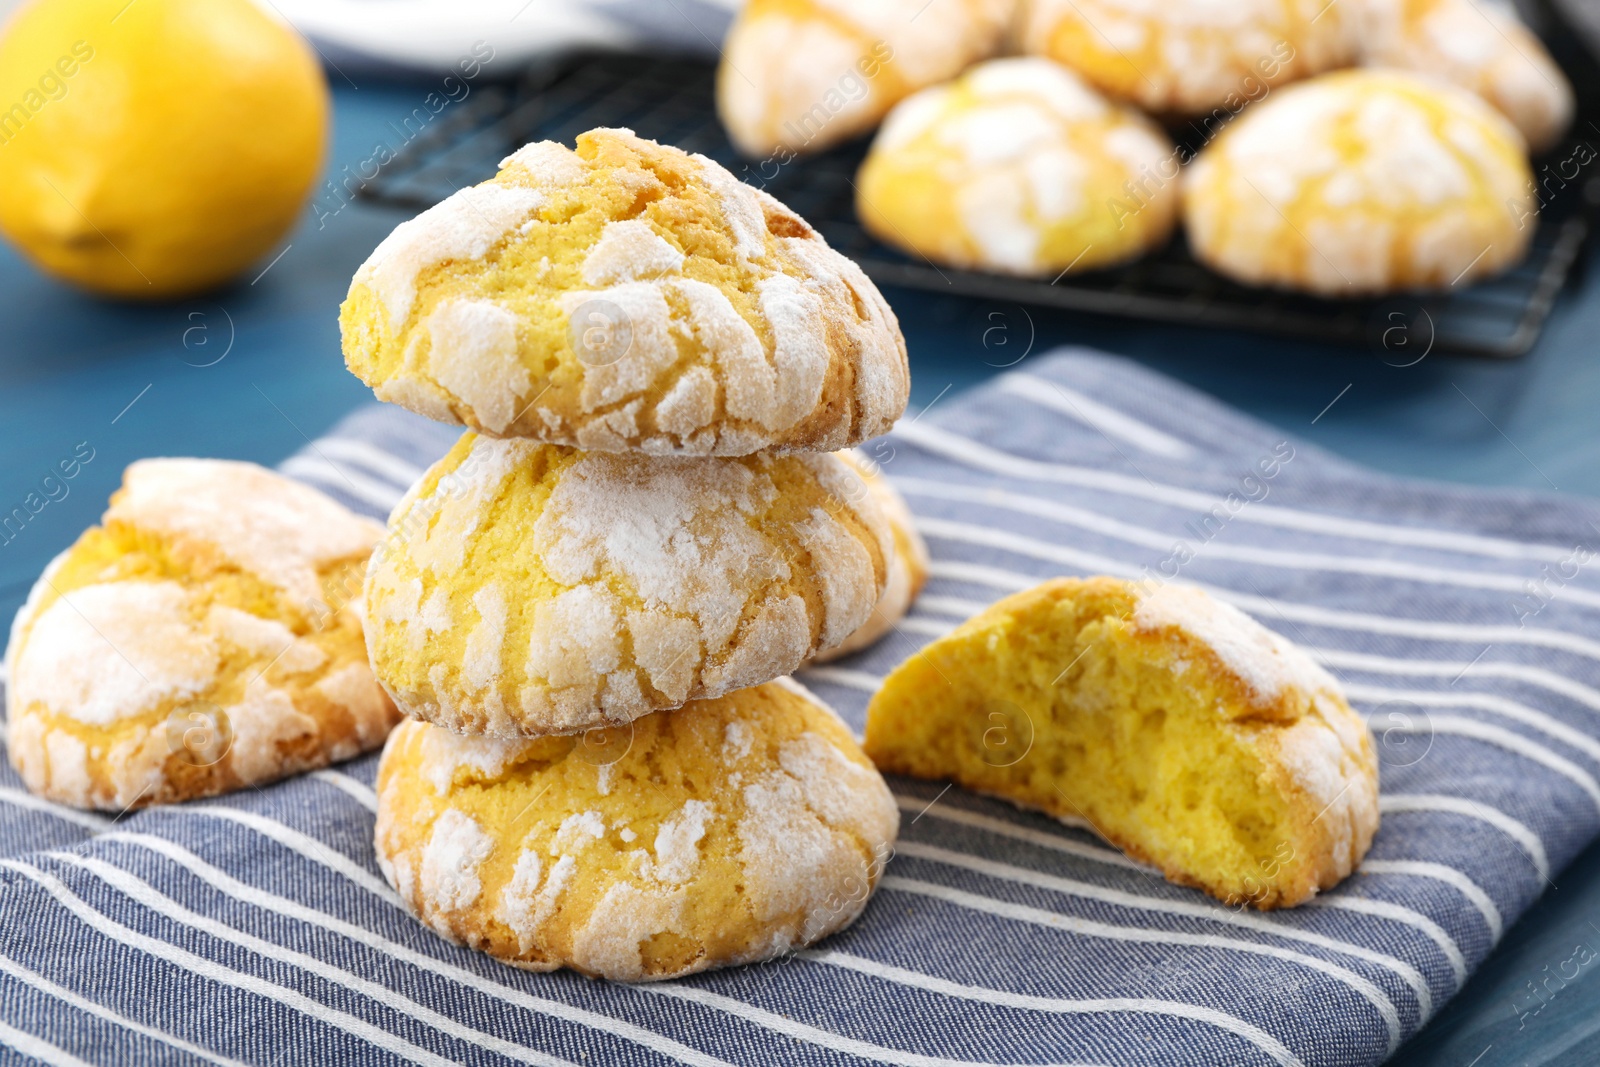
x=670, y=100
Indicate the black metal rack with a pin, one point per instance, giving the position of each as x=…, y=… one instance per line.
x=670, y=100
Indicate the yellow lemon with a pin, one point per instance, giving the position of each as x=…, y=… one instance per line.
x=154, y=148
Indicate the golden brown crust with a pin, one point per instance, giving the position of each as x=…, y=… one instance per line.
x=527, y=589
x=908, y=564
x=729, y=831
x=626, y=297
x=206, y=638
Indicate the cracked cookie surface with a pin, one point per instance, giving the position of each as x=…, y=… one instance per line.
x=626, y=296
x=728, y=831
x=207, y=636
x=527, y=589
x=1362, y=182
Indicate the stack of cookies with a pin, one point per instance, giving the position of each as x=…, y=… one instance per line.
x=590, y=606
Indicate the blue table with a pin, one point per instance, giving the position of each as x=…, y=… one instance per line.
x=253, y=371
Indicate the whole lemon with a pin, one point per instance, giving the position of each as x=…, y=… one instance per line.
x=154, y=148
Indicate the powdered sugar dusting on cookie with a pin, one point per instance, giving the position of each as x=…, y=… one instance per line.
x=465, y=225
x=1263, y=660
x=104, y=652
x=450, y=861
x=677, y=851
x=279, y=530
x=473, y=353
x=628, y=251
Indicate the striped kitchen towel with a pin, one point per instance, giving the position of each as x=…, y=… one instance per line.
x=1464, y=623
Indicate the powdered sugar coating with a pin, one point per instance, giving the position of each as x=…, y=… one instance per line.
x=644, y=582
x=579, y=281
x=1018, y=166
x=908, y=568
x=281, y=531
x=1266, y=663
x=805, y=75
x=1361, y=182
x=122, y=687
x=1482, y=47
x=770, y=845
x=1190, y=57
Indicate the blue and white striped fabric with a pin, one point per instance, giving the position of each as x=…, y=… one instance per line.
x=256, y=929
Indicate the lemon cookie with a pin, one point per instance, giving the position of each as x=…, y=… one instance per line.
x=1362, y=182
x=729, y=831
x=908, y=564
x=204, y=638
x=1190, y=58
x=527, y=589
x=1180, y=729
x=626, y=296
x=800, y=75
x=1481, y=47
x=1017, y=166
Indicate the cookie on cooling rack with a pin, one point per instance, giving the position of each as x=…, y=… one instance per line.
x=204, y=638
x=527, y=589
x=908, y=563
x=1190, y=58
x=1019, y=167
x=728, y=831
x=1182, y=730
x=1362, y=182
x=801, y=75
x=1483, y=47
x=626, y=296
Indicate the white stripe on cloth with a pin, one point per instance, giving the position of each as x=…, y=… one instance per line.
x=215, y=972
x=308, y=467
x=1458, y=669
x=1472, y=729
x=1208, y=913
x=1256, y=555
x=1440, y=872
x=1092, y=413
x=969, y=453
x=386, y=465
x=1137, y=1005
x=1383, y=909
x=99, y=1011
x=233, y=887
x=1392, y=803
x=1070, y=924
x=798, y=1031
x=267, y=901
x=37, y=1047
x=142, y=892
x=1487, y=702
x=1475, y=634
x=86, y=819
x=1114, y=858
x=306, y=846
x=349, y=786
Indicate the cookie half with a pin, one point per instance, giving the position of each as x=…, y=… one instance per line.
x=908, y=564
x=801, y=75
x=1363, y=182
x=728, y=831
x=528, y=589
x=1019, y=167
x=204, y=638
x=1181, y=730
x=626, y=296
